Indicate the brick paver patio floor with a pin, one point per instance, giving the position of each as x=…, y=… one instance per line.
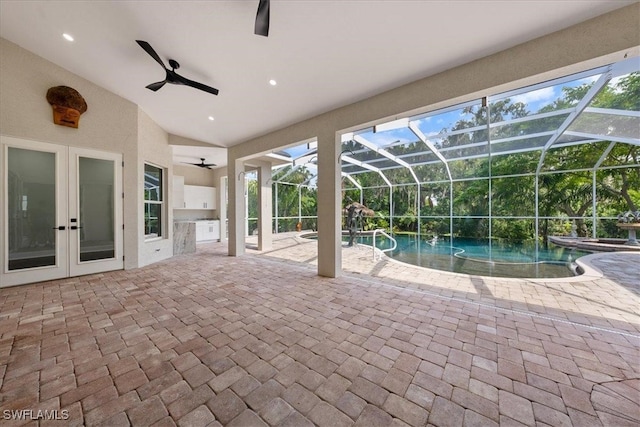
x=208, y=339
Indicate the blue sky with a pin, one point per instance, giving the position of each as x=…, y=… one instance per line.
x=432, y=125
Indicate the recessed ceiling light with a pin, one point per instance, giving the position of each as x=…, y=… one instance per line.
x=273, y=82
x=67, y=37
x=211, y=118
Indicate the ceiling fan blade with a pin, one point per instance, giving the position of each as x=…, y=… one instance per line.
x=157, y=85
x=187, y=82
x=262, y=19
x=147, y=48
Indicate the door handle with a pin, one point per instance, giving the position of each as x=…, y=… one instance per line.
x=62, y=227
x=74, y=227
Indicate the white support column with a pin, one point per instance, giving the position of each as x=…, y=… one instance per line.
x=329, y=205
x=236, y=207
x=299, y=203
x=222, y=207
x=277, y=227
x=265, y=210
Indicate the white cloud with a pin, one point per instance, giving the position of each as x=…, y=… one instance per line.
x=613, y=84
x=541, y=95
x=384, y=138
x=587, y=80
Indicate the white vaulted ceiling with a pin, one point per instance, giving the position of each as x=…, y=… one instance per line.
x=324, y=54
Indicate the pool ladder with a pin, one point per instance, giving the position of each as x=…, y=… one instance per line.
x=384, y=233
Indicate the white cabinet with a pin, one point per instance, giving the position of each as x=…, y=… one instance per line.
x=201, y=231
x=178, y=192
x=192, y=196
x=214, y=229
x=207, y=230
x=199, y=197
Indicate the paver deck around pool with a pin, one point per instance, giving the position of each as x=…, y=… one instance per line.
x=208, y=339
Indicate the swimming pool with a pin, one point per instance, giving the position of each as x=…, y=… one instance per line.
x=480, y=257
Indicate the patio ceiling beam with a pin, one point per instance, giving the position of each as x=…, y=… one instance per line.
x=612, y=111
x=370, y=145
x=599, y=137
x=604, y=155
x=308, y=181
x=309, y=165
x=578, y=109
x=484, y=155
x=303, y=160
x=366, y=166
x=278, y=156
x=416, y=130
x=531, y=117
x=293, y=169
x=556, y=82
x=352, y=179
x=501, y=140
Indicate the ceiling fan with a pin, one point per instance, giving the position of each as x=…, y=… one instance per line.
x=202, y=164
x=262, y=19
x=172, y=76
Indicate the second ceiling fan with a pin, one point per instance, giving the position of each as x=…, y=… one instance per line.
x=202, y=164
x=262, y=19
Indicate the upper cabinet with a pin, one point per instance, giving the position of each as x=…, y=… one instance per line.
x=192, y=196
x=199, y=197
x=178, y=192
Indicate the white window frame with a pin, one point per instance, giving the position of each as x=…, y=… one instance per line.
x=161, y=202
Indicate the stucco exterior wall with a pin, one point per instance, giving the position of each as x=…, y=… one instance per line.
x=153, y=148
x=111, y=123
x=195, y=176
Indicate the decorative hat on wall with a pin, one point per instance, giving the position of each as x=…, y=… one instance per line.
x=67, y=104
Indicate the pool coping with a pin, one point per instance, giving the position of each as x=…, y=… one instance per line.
x=589, y=244
x=609, y=288
x=590, y=271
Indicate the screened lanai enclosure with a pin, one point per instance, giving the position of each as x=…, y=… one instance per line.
x=560, y=158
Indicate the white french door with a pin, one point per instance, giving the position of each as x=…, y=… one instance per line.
x=61, y=211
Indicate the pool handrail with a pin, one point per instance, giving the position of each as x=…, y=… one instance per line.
x=384, y=233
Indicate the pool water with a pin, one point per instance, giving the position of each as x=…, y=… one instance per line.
x=480, y=257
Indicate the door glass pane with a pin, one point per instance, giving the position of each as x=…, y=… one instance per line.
x=31, y=208
x=96, y=213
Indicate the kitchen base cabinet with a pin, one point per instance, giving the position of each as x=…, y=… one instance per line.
x=207, y=231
